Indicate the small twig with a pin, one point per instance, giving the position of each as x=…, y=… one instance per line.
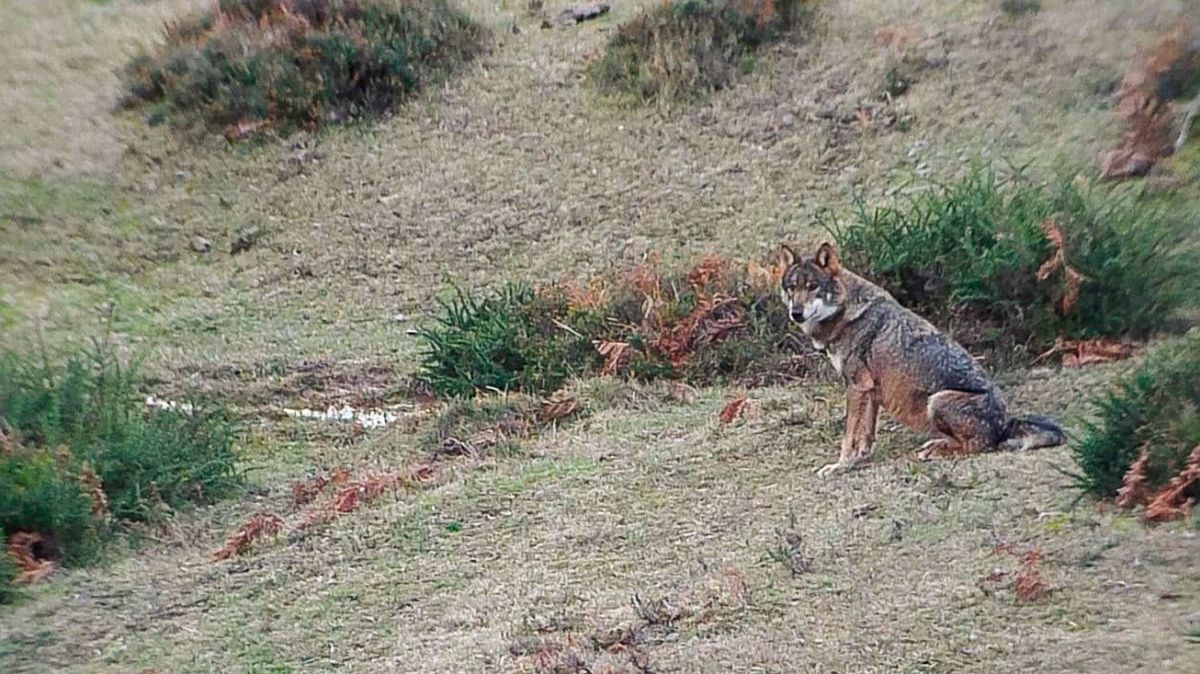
x=1192, y=109
x=566, y=327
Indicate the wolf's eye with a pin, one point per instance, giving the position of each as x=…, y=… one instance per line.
x=811, y=286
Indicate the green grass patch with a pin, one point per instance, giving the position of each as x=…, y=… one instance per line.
x=253, y=64
x=79, y=425
x=1155, y=409
x=683, y=49
x=29, y=201
x=968, y=256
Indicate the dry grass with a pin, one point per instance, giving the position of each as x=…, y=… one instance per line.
x=517, y=168
x=60, y=82
x=655, y=504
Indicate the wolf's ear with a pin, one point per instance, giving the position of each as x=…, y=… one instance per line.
x=827, y=258
x=789, y=256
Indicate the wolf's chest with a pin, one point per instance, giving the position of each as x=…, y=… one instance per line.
x=835, y=358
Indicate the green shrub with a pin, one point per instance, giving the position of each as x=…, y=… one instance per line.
x=41, y=491
x=684, y=48
x=505, y=341
x=968, y=254
x=168, y=458
x=298, y=63
x=1157, y=409
x=712, y=323
x=88, y=414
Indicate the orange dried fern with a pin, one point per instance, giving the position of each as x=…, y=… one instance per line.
x=1081, y=352
x=1179, y=495
x=1072, y=279
x=22, y=548
x=711, y=321
x=732, y=410
x=1134, y=489
x=1028, y=585
x=616, y=356
x=709, y=270
x=259, y=526
x=558, y=406
x=304, y=491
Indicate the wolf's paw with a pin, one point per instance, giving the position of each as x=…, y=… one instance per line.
x=833, y=469
x=937, y=448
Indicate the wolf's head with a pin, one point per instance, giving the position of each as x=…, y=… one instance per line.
x=813, y=288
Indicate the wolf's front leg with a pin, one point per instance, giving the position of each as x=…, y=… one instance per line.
x=860, y=431
x=865, y=443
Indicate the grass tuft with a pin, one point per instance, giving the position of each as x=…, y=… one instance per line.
x=682, y=49
x=42, y=491
x=253, y=64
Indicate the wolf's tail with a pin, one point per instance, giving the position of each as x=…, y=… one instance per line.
x=1032, y=432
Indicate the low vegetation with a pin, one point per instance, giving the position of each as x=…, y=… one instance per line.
x=508, y=340
x=1143, y=445
x=716, y=322
x=685, y=48
x=253, y=64
x=8, y=571
x=1008, y=263
x=80, y=449
x=1020, y=7
x=495, y=424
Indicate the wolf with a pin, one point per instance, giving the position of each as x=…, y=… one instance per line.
x=892, y=359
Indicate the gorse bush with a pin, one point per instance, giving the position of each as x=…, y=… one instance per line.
x=248, y=64
x=1152, y=412
x=684, y=48
x=1012, y=263
x=82, y=447
x=717, y=321
x=505, y=341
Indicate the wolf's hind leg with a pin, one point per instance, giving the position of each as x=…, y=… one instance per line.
x=960, y=417
x=939, y=447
